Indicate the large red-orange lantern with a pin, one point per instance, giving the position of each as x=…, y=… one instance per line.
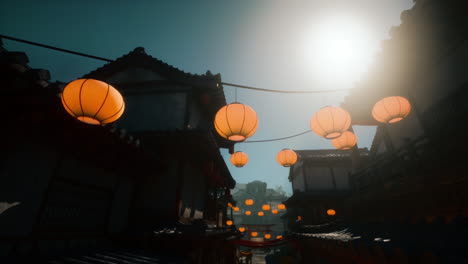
x=330, y=121
x=239, y=159
x=281, y=206
x=261, y=213
x=286, y=157
x=331, y=212
x=249, y=202
x=391, y=109
x=236, y=122
x=347, y=140
x=92, y=101
x=248, y=213
x=266, y=207
x=267, y=236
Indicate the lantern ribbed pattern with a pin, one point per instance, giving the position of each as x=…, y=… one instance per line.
x=248, y=213
x=329, y=122
x=249, y=202
x=229, y=222
x=331, y=212
x=92, y=101
x=239, y=159
x=274, y=211
x=391, y=109
x=241, y=229
x=281, y=206
x=286, y=157
x=261, y=214
x=347, y=140
x=254, y=234
x=236, y=122
x=267, y=236
x=266, y=207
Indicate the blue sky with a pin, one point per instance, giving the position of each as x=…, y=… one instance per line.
x=260, y=43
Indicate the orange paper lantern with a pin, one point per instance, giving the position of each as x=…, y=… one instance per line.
x=286, y=157
x=92, y=101
x=391, y=109
x=242, y=229
x=279, y=237
x=260, y=214
x=236, y=122
x=329, y=122
x=347, y=140
x=266, y=207
x=248, y=213
x=236, y=209
x=249, y=202
x=274, y=211
x=254, y=234
x=239, y=159
x=281, y=206
x=331, y=212
x=267, y=236
x=229, y=222
x=299, y=218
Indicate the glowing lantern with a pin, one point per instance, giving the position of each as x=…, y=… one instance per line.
x=331, y=212
x=391, y=109
x=329, y=122
x=236, y=122
x=299, y=218
x=266, y=207
x=274, y=211
x=236, y=209
x=239, y=159
x=260, y=214
x=281, y=206
x=92, y=101
x=286, y=157
x=254, y=234
x=248, y=213
x=249, y=202
x=279, y=237
x=347, y=140
x=229, y=222
x=267, y=236
x=242, y=229
x=230, y=205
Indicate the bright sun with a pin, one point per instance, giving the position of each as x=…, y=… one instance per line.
x=339, y=49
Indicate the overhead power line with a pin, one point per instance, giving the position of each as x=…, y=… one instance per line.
x=276, y=139
x=281, y=91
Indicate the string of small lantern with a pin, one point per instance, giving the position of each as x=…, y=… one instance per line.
x=235, y=122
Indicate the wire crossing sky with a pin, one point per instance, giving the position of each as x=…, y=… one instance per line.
x=305, y=45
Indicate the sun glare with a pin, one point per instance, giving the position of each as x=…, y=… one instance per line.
x=339, y=49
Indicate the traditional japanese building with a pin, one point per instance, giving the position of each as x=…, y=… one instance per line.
x=152, y=181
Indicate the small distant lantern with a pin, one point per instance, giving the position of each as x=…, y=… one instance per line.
x=93, y=102
x=254, y=234
x=331, y=212
x=267, y=236
x=236, y=122
x=274, y=211
x=261, y=213
x=242, y=229
x=236, y=209
x=230, y=205
x=279, y=237
x=299, y=218
x=229, y=222
x=329, y=122
x=239, y=159
x=266, y=207
x=249, y=202
x=281, y=206
x=391, y=109
x=347, y=140
x=248, y=213
x=286, y=157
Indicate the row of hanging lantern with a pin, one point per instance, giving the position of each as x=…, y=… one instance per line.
x=255, y=234
x=237, y=122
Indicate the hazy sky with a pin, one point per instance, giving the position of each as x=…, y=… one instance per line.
x=272, y=44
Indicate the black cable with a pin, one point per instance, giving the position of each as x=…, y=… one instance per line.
x=281, y=91
x=276, y=139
